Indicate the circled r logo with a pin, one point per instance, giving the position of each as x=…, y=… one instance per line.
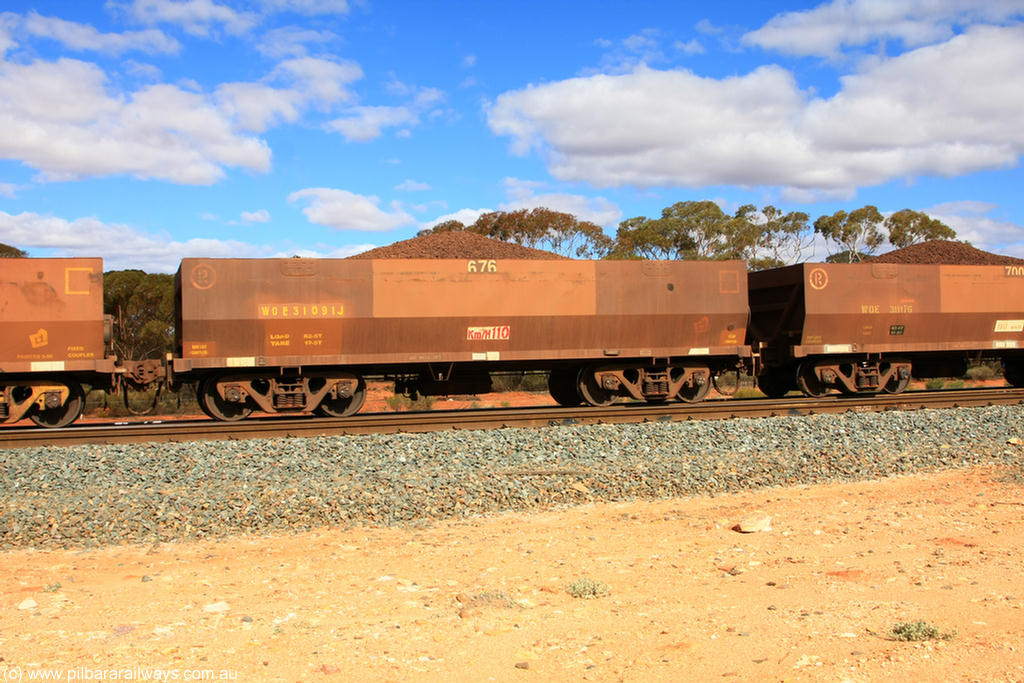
x=203, y=276
x=818, y=278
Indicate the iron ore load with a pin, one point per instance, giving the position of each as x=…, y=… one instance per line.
x=304, y=335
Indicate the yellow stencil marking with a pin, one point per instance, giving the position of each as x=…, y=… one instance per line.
x=74, y=280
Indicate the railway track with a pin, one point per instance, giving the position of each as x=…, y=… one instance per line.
x=493, y=418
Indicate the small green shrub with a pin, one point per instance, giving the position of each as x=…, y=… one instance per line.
x=101, y=404
x=536, y=382
x=955, y=384
x=487, y=599
x=587, y=588
x=935, y=383
x=913, y=631
x=401, y=402
x=981, y=373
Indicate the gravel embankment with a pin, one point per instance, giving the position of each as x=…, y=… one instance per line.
x=94, y=495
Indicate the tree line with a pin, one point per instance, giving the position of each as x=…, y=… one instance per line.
x=142, y=304
x=765, y=238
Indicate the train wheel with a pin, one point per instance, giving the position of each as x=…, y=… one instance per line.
x=218, y=408
x=343, y=407
x=62, y=416
x=807, y=381
x=591, y=391
x=897, y=385
x=562, y=387
x=696, y=392
x=200, y=390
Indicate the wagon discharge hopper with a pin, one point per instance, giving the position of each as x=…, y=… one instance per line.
x=871, y=327
x=54, y=337
x=301, y=335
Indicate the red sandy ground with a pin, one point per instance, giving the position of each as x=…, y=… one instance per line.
x=688, y=598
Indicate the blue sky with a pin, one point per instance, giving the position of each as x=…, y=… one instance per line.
x=143, y=131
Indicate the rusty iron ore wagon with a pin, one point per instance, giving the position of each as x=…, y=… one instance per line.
x=302, y=335
x=870, y=327
x=53, y=339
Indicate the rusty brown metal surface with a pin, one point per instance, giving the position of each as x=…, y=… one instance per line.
x=821, y=308
x=284, y=312
x=51, y=312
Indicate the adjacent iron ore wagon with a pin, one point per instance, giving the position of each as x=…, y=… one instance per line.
x=53, y=340
x=871, y=326
x=301, y=335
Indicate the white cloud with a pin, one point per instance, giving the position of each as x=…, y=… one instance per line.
x=291, y=41
x=325, y=251
x=257, y=107
x=363, y=124
x=826, y=29
x=141, y=71
x=707, y=28
x=322, y=81
x=366, y=123
x=651, y=128
x=196, y=17
x=645, y=41
x=972, y=221
x=7, y=190
x=464, y=216
x=946, y=109
x=258, y=216
x=65, y=120
x=692, y=47
x=344, y=210
x=59, y=118
x=8, y=23
x=308, y=7
x=307, y=82
x=121, y=246
x=412, y=186
x=636, y=50
x=427, y=97
x=522, y=195
x=84, y=37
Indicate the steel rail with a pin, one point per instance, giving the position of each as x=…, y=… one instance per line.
x=493, y=418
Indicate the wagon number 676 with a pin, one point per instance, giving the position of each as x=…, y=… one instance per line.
x=482, y=266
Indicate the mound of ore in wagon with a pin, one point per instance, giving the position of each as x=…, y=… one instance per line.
x=946, y=252
x=455, y=244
